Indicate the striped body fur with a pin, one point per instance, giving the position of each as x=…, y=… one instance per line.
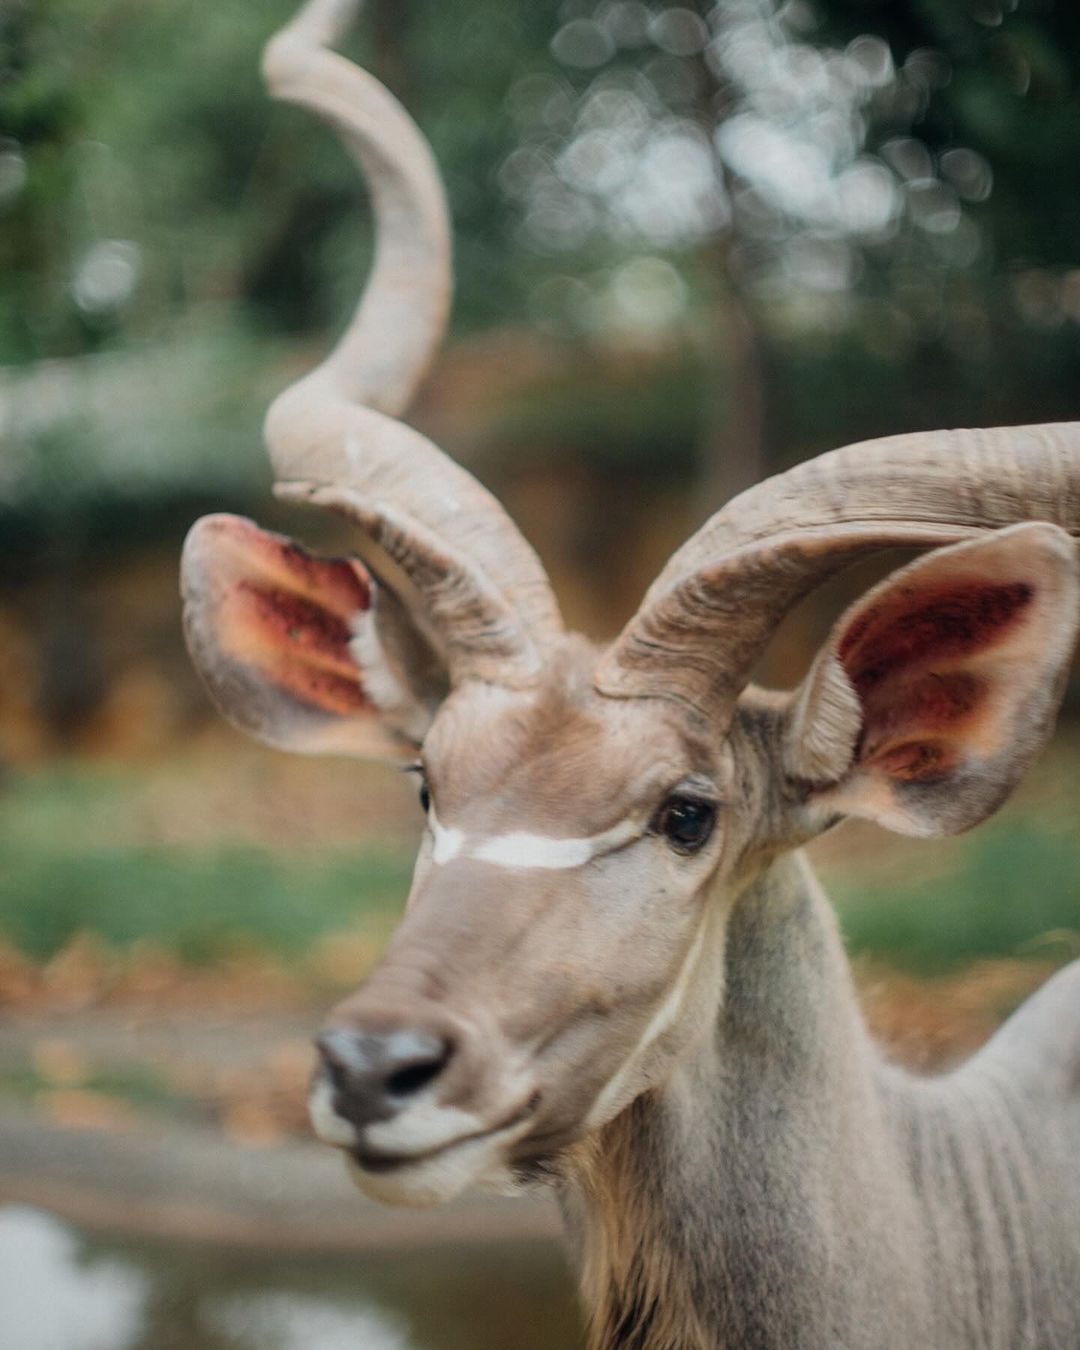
x=790, y=1190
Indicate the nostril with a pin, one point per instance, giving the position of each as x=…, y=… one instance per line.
x=373, y=1074
x=412, y=1060
x=408, y=1081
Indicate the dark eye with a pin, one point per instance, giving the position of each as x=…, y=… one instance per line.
x=416, y=770
x=686, y=823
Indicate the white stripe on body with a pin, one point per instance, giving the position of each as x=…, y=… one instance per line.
x=520, y=849
x=662, y=1020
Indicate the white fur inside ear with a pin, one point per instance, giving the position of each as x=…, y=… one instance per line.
x=381, y=684
x=825, y=724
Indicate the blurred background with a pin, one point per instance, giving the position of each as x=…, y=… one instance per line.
x=695, y=244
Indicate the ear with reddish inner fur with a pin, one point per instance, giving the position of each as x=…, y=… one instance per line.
x=936, y=690
x=304, y=653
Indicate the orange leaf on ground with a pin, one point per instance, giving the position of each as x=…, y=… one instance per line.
x=59, y=1062
x=79, y=1109
x=252, y=1122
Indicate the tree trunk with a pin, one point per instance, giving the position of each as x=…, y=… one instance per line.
x=732, y=452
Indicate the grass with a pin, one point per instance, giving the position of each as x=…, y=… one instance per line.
x=199, y=906
x=66, y=867
x=1016, y=892
x=136, y=1085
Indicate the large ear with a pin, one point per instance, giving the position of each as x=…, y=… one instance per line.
x=305, y=653
x=936, y=690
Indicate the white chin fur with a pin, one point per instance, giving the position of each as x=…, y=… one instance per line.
x=421, y=1128
x=434, y=1181
x=325, y=1121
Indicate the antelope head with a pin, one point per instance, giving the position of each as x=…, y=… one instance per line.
x=593, y=815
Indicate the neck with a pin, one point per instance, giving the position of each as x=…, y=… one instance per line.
x=722, y=1210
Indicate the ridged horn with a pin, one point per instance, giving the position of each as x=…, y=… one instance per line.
x=426, y=525
x=708, y=617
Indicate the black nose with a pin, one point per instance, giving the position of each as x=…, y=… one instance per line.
x=375, y=1073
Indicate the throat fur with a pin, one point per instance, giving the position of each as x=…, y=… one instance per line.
x=634, y=1279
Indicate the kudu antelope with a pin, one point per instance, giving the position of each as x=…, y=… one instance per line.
x=615, y=972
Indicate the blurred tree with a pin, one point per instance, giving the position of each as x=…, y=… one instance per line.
x=821, y=173
x=750, y=229
x=39, y=120
x=849, y=215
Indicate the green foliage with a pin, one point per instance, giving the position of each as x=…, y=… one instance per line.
x=135, y=1084
x=201, y=906
x=1013, y=94
x=1017, y=893
x=58, y=878
x=157, y=211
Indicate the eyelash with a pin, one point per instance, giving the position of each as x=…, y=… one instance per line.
x=423, y=790
x=671, y=819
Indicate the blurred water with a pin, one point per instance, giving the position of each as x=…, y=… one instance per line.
x=60, y=1290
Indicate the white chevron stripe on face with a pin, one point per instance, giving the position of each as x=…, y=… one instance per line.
x=446, y=844
x=521, y=849
x=662, y=1020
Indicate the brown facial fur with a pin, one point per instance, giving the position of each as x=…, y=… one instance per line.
x=560, y=758
x=558, y=971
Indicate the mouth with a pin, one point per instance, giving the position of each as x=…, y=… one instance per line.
x=433, y=1169
x=383, y=1162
